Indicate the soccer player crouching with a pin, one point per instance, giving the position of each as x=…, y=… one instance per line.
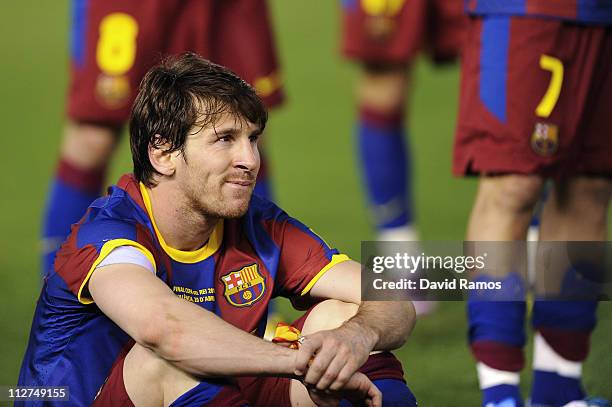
x=160, y=294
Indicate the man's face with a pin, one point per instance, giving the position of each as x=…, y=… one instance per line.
x=219, y=167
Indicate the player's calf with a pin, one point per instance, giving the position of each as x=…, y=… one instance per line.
x=85, y=153
x=577, y=210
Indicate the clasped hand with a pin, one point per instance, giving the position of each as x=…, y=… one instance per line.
x=329, y=360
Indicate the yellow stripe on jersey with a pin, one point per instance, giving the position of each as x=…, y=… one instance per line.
x=104, y=252
x=336, y=259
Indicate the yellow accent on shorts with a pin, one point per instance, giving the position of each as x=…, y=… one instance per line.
x=382, y=7
x=548, y=102
x=267, y=85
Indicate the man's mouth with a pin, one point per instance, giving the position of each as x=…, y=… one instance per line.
x=241, y=182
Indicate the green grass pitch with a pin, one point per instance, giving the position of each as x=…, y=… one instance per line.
x=314, y=172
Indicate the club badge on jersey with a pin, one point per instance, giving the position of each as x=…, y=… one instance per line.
x=381, y=17
x=245, y=286
x=545, y=139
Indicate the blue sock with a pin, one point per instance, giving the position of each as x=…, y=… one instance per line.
x=498, y=317
x=66, y=206
x=504, y=395
x=395, y=394
x=551, y=389
x=385, y=161
x=70, y=193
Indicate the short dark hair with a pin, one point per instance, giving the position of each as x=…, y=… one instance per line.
x=179, y=93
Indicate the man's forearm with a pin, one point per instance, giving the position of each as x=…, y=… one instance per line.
x=192, y=338
x=386, y=324
x=200, y=343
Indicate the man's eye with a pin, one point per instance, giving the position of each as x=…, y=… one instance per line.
x=254, y=138
x=224, y=139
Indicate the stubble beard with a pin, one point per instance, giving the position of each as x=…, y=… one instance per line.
x=210, y=204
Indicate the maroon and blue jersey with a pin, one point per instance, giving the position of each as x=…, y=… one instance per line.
x=581, y=11
x=245, y=263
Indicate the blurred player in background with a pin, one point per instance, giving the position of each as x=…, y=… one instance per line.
x=536, y=97
x=113, y=44
x=385, y=37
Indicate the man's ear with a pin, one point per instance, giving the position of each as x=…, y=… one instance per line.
x=162, y=159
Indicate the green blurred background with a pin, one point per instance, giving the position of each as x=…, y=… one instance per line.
x=314, y=171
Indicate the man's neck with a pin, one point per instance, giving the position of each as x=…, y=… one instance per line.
x=180, y=227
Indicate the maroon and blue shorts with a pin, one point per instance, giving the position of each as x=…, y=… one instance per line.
x=394, y=31
x=243, y=391
x=536, y=98
x=115, y=42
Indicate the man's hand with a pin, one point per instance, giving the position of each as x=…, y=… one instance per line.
x=330, y=358
x=359, y=390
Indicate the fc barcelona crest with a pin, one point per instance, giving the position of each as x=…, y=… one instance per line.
x=244, y=287
x=112, y=92
x=545, y=139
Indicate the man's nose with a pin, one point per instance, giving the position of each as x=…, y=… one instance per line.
x=247, y=155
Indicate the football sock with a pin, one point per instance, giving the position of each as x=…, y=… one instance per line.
x=71, y=192
x=385, y=162
x=556, y=380
x=561, y=345
x=498, y=386
x=385, y=371
x=497, y=324
x=497, y=336
x=503, y=395
x=263, y=187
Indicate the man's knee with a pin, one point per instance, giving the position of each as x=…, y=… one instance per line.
x=512, y=194
x=151, y=380
x=328, y=314
x=383, y=88
x=583, y=195
x=88, y=146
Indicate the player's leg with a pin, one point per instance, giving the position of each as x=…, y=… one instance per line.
x=384, y=151
x=250, y=51
x=575, y=211
x=503, y=83
x=382, y=368
x=105, y=36
x=84, y=155
x=141, y=378
x=383, y=148
x=501, y=211
x=383, y=39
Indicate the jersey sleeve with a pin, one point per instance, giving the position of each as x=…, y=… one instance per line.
x=90, y=243
x=127, y=255
x=304, y=257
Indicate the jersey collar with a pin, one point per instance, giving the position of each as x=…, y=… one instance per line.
x=182, y=256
